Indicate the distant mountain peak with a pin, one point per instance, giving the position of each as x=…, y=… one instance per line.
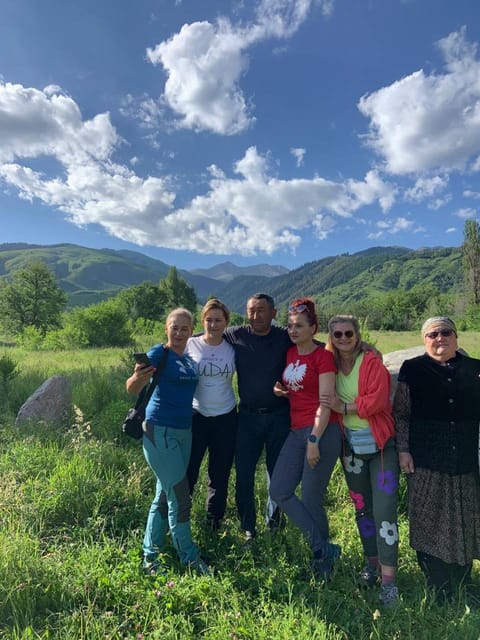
x=226, y=271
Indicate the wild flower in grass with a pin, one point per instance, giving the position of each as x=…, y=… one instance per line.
x=170, y=584
x=376, y=614
x=158, y=593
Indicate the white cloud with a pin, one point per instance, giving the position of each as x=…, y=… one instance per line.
x=423, y=122
x=89, y=187
x=466, y=213
x=426, y=188
x=475, y=166
x=471, y=194
x=438, y=203
x=34, y=123
x=253, y=211
x=451, y=230
x=393, y=226
x=374, y=188
x=298, y=154
x=149, y=112
x=205, y=62
x=322, y=226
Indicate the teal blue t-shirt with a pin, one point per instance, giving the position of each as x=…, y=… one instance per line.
x=171, y=401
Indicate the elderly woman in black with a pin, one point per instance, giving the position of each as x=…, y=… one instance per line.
x=437, y=414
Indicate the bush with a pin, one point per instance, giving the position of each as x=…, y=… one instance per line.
x=30, y=338
x=101, y=325
x=8, y=369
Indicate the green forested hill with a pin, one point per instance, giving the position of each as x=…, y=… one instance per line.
x=351, y=278
x=91, y=275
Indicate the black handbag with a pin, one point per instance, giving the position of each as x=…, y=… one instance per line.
x=133, y=424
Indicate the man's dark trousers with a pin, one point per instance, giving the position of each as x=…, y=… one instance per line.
x=256, y=431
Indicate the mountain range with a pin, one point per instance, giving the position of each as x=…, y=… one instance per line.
x=91, y=275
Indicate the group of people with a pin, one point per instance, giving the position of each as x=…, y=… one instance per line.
x=307, y=404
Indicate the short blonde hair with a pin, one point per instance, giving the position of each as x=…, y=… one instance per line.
x=180, y=311
x=215, y=303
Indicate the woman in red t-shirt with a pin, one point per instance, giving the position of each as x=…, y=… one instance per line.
x=313, y=444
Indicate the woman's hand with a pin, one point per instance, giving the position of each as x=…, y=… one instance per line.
x=332, y=401
x=405, y=461
x=280, y=390
x=313, y=454
x=143, y=373
x=140, y=377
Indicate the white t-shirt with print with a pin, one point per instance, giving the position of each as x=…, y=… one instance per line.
x=215, y=365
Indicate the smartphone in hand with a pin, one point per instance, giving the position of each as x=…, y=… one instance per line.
x=142, y=358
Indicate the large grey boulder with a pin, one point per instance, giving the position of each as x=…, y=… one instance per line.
x=51, y=403
x=393, y=361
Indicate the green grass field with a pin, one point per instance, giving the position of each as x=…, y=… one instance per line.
x=72, y=512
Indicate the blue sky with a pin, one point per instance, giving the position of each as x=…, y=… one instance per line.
x=278, y=131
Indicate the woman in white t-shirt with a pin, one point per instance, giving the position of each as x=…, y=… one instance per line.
x=214, y=426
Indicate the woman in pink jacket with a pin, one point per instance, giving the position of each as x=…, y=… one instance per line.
x=370, y=460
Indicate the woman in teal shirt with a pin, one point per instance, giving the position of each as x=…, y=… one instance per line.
x=167, y=442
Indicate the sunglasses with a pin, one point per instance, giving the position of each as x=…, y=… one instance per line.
x=445, y=333
x=297, y=308
x=340, y=334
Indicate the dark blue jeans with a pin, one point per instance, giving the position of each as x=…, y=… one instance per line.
x=256, y=432
x=292, y=468
x=217, y=434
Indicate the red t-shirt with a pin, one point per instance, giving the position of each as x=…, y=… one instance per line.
x=300, y=376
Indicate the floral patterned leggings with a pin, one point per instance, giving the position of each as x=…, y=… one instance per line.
x=373, y=488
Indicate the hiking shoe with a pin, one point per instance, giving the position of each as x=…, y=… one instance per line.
x=199, y=566
x=368, y=576
x=213, y=524
x=153, y=566
x=276, y=521
x=276, y=524
x=388, y=595
x=250, y=536
x=323, y=567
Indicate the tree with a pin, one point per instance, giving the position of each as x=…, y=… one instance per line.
x=144, y=300
x=32, y=299
x=471, y=259
x=177, y=292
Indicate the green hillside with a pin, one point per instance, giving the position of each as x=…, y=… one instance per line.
x=350, y=278
x=91, y=275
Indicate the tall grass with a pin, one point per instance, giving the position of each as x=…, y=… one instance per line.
x=72, y=510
